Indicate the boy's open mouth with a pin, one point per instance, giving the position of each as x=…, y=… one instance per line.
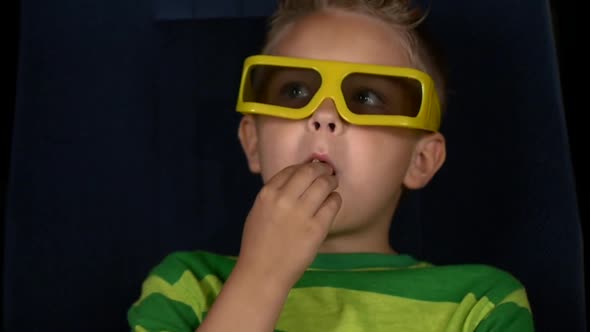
x=319, y=158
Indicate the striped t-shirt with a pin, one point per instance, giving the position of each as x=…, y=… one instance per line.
x=345, y=293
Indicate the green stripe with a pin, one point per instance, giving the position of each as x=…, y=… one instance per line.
x=199, y=295
x=199, y=263
x=321, y=309
x=519, y=298
x=354, y=261
x=447, y=284
x=508, y=317
x=159, y=313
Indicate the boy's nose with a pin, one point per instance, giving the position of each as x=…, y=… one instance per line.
x=326, y=118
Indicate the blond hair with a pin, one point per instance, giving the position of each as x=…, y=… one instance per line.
x=399, y=14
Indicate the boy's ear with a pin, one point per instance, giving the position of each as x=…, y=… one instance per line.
x=248, y=136
x=429, y=155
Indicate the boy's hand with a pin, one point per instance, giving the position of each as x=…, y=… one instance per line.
x=288, y=222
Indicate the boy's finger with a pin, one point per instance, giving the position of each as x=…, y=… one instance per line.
x=304, y=177
x=315, y=195
x=278, y=180
x=326, y=214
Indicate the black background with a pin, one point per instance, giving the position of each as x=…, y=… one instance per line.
x=568, y=37
x=569, y=40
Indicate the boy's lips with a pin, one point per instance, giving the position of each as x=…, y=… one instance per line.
x=322, y=158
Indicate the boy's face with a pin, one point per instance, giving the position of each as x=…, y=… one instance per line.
x=372, y=163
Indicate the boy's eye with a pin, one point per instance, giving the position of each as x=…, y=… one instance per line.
x=369, y=98
x=293, y=95
x=295, y=90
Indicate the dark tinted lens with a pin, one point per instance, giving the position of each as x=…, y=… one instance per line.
x=384, y=95
x=282, y=86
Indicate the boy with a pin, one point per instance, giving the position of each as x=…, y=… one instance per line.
x=340, y=116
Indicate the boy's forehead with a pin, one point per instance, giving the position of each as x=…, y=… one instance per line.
x=342, y=36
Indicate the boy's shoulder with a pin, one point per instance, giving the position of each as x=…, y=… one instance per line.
x=181, y=287
x=481, y=280
x=472, y=271
x=198, y=263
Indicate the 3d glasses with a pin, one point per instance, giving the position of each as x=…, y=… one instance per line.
x=371, y=95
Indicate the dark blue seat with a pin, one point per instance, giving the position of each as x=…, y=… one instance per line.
x=125, y=149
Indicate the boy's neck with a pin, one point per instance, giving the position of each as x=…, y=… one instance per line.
x=368, y=240
x=372, y=238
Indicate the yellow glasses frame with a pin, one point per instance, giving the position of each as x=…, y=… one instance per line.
x=332, y=74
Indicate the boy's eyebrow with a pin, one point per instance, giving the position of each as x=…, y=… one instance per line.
x=265, y=74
